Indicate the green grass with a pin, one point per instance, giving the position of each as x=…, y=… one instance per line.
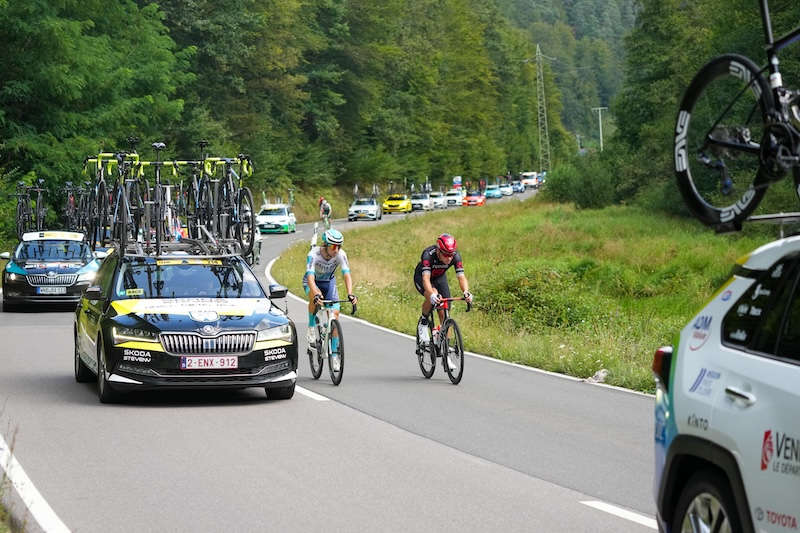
x=566, y=290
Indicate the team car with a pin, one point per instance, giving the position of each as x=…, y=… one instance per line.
x=727, y=407
x=517, y=186
x=47, y=267
x=397, y=203
x=506, y=189
x=493, y=191
x=276, y=218
x=178, y=321
x=437, y=199
x=454, y=198
x=421, y=201
x=474, y=198
x=364, y=209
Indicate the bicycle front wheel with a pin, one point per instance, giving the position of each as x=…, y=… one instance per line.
x=336, y=357
x=426, y=352
x=453, y=351
x=718, y=158
x=315, y=355
x=246, y=223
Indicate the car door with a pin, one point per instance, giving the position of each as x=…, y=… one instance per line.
x=93, y=309
x=757, y=410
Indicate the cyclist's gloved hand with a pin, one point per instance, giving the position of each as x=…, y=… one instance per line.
x=353, y=298
x=318, y=299
x=468, y=296
x=434, y=299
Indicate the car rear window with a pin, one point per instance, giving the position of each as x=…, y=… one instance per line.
x=186, y=278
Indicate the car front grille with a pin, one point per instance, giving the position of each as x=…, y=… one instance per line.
x=194, y=344
x=38, y=280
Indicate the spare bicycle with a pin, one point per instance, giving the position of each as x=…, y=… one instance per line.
x=737, y=132
x=443, y=342
x=328, y=329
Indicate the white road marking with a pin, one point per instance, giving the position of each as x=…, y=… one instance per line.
x=268, y=274
x=36, y=504
x=623, y=513
x=311, y=394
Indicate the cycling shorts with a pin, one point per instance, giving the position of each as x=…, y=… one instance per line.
x=439, y=283
x=328, y=289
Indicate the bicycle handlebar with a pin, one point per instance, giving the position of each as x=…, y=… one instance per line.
x=461, y=298
x=328, y=302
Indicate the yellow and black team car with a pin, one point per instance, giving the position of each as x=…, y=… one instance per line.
x=47, y=267
x=182, y=322
x=397, y=203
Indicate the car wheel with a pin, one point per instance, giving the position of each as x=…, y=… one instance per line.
x=706, y=504
x=82, y=372
x=104, y=391
x=281, y=393
x=8, y=307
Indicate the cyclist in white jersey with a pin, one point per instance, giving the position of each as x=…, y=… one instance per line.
x=319, y=280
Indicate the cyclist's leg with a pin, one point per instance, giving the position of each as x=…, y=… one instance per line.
x=426, y=303
x=332, y=293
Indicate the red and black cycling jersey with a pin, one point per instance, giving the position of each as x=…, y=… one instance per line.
x=430, y=262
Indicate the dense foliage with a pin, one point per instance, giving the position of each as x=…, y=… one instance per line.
x=319, y=92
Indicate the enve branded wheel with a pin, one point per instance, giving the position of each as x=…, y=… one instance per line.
x=717, y=146
x=336, y=332
x=426, y=354
x=246, y=225
x=453, y=351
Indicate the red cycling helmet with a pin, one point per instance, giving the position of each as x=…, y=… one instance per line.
x=446, y=244
x=321, y=199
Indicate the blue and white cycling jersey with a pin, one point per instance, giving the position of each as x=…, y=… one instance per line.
x=324, y=269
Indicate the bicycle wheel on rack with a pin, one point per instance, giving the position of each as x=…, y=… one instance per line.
x=336, y=370
x=22, y=225
x=246, y=223
x=453, y=351
x=102, y=222
x=122, y=223
x=315, y=356
x=719, y=162
x=426, y=352
x=158, y=215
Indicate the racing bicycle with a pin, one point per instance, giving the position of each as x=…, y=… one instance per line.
x=444, y=342
x=328, y=329
x=737, y=132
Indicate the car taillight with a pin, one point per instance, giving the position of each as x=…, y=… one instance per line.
x=662, y=363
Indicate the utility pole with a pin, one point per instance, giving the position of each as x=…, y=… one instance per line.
x=544, y=137
x=600, y=120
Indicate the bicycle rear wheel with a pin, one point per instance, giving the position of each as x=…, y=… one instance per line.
x=246, y=223
x=718, y=157
x=426, y=352
x=336, y=373
x=22, y=225
x=453, y=352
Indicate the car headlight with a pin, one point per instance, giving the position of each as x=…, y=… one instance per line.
x=86, y=276
x=121, y=334
x=283, y=333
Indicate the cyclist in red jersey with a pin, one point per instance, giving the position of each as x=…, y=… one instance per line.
x=430, y=277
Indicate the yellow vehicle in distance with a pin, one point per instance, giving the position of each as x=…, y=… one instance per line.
x=397, y=203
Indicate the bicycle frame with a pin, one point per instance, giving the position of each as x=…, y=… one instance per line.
x=772, y=48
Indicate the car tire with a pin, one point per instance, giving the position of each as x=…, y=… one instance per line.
x=82, y=372
x=104, y=391
x=281, y=393
x=706, y=492
x=8, y=307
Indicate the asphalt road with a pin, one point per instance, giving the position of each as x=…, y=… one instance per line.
x=508, y=449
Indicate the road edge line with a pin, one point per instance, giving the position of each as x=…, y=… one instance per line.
x=268, y=275
x=311, y=394
x=37, y=506
x=620, y=512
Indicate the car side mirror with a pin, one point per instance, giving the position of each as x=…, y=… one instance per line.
x=277, y=291
x=93, y=293
x=5, y=255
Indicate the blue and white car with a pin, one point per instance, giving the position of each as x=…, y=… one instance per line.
x=48, y=267
x=493, y=191
x=276, y=218
x=727, y=409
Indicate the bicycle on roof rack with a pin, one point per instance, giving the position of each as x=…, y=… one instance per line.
x=737, y=133
x=30, y=217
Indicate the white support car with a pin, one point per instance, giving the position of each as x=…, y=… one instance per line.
x=438, y=200
x=421, y=201
x=454, y=198
x=276, y=218
x=727, y=404
x=365, y=209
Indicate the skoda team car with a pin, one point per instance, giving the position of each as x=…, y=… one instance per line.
x=454, y=198
x=437, y=198
x=364, y=209
x=727, y=409
x=493, y=191
x=474, y=198
x=421, y=201
x=47, y=267
x=182, y=322
x=277, y=218
x=397, y=203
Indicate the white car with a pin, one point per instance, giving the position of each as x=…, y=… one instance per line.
x=506, y=190
x=437, y=198
x=365, y=209
x=421, y=201
x=453, y=198
x=276, y=218
x=530, y=180
x=727, y=404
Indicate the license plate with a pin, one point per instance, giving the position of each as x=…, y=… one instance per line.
x=51, y=290
x=362, y=215
x=208, y=363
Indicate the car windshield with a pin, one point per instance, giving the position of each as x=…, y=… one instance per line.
x=186, y=278
x=53, y=250
x=396, y=197
x=491, y=187
x=453, y=193
x=436, y=195
x=365, y=201
x=473, y=193
x=419, y=196
x=280, y=211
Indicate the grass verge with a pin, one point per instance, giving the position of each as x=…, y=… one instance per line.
x=571, y=291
